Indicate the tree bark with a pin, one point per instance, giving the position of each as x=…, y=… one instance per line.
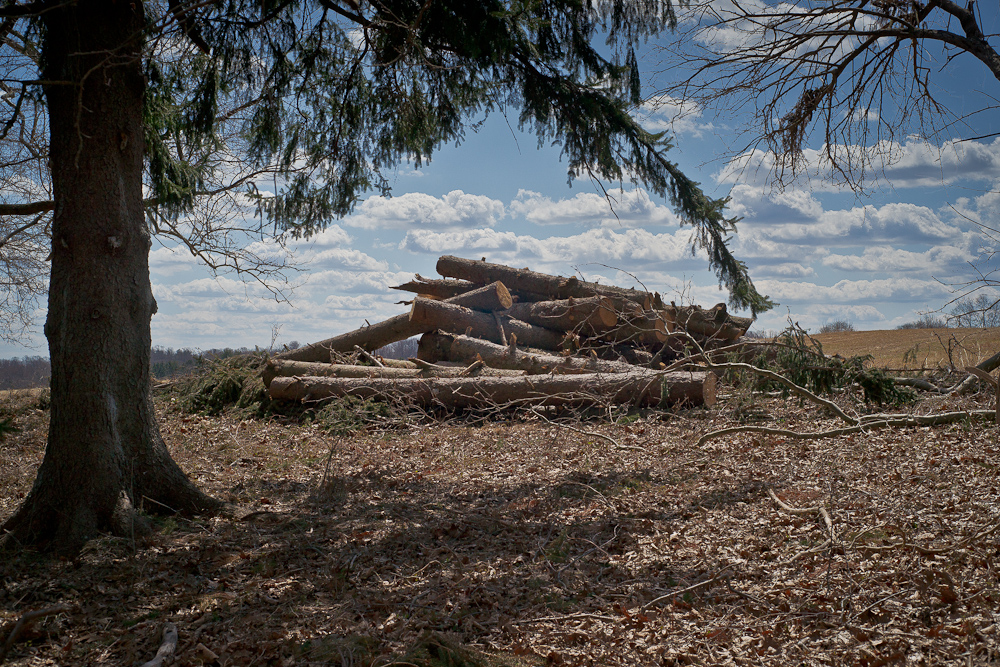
x=589, y=316
x=489, y=298
x=429, y=315
x=545, y=286
x=638, y=388
x=105, y=454
x=438, y=346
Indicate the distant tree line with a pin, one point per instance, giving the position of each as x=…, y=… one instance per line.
x=402, y=349
x=165, y=363
x=24, y=373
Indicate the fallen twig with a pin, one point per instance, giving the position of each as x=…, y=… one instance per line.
x=804, y=510
x=568, y=617
x=167, y=648
x=26, y=620
x=883, y=421
x=595, y=434
x=701, y=584
x=369, y=356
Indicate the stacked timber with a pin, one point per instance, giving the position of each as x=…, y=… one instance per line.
x=493, y=335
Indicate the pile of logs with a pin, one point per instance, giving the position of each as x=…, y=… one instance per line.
x=492, y=335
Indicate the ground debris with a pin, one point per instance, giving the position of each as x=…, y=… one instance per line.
x=528, y=543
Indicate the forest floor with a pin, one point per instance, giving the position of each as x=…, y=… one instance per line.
x=584, y=543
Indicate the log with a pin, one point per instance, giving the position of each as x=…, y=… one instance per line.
x=439, y=346
x=714, y=322
x=372, y=337
x=588, y=316
x=437, y=289
x=542, y=284
x=642, y=388
x=428, y=315
x=285, y=368
x=649, y=328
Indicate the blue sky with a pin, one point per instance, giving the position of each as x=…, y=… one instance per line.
x=822, y=252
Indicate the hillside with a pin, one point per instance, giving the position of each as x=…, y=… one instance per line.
x=915, y=349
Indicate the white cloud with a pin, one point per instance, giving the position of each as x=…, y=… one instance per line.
x=455, y=210
x=679, y=117
x=798, y=216
x=625, y=249
x=938, y=260
x=621, y=208
x=340, y=281
x=166, y=261
x=342, y=258
x=831, y=312
x=908, y=289
x=909, y=164
x=334, y=235
x=782, y=270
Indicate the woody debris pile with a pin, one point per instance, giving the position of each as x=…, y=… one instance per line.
x=492, y=335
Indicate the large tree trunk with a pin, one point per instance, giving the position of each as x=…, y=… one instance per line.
x=104, y=454
x=542, y=285
x=437, y=289
x=643, y=388
x=437, y=346
x=430, y=315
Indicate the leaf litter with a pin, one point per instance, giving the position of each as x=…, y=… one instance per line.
x=522, y=542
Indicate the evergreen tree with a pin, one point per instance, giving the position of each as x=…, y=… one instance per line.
x=324, y=94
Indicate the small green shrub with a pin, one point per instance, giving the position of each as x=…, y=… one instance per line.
x=219, y=384
x=7, y=427
x=800, y=358
x=349, y=414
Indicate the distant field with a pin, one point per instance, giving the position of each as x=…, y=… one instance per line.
x=915, y=348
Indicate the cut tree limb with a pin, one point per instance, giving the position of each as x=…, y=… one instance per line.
x=373, y=336
x=439, y=346
x=167, y=648
x=879, y=421
x=11, y=631
x=437, y=289
x=965, y=386
x=428, y=315
x=639, y=388
x=544, y=285
x=285, y=368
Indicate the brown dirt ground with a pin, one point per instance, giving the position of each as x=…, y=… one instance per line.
x=916, y=349
x=610, y=544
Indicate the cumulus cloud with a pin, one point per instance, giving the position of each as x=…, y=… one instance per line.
x=679, y=117
x=909, y=164
x=341, y=281
x=621, y=208
x=797, y=216
x=938, y=260
x=334, y=235
x=166, y=261
x=906, y=289
x=782, y=270
x=626, y=249
x=343, y=258
x=416, y=209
